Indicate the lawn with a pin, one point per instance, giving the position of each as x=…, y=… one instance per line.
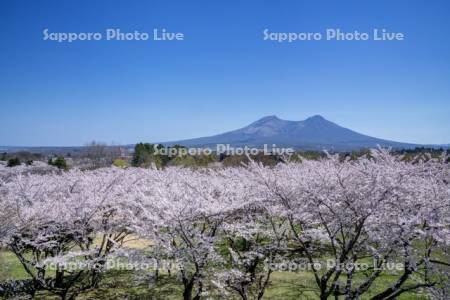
x=124, y=285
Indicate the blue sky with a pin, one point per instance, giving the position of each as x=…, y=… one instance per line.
x=223, y=75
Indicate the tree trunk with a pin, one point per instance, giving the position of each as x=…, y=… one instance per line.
x=188, y=287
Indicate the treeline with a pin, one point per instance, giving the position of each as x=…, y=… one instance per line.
x=146, y=154
x=92, y=156
x=17, y=158
x=97, y=155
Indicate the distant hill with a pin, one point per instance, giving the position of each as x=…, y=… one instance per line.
x=314, y=133
x=44, y=149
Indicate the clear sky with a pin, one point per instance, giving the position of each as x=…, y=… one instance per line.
x=223, y=75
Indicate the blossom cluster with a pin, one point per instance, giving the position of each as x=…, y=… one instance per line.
x=223, y=226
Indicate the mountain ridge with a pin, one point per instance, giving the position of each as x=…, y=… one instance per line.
x=313, y=133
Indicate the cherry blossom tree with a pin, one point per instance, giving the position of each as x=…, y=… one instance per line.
x=183, y=211
x=38, y=167
x=378, y=208
x=253, y=240
x=56, y=219
x=224, y=227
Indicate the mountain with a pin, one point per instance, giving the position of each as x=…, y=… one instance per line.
x=314, y=133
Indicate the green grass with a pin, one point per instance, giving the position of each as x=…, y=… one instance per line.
x=10, y=267
x=123, y=285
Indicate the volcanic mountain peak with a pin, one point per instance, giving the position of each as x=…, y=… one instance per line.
x=313, y=133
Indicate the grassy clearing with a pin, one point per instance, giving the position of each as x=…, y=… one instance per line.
x=124, y=284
